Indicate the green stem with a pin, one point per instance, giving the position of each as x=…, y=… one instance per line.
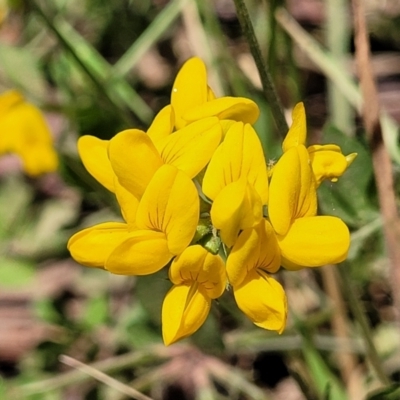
x=268, y=86
x=359, y=314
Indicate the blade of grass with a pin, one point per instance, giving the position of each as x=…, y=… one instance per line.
x=102, y=377
x=116, y=90
x=337, y=37
x=154, y=32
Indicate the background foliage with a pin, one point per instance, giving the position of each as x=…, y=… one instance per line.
x=97, y=67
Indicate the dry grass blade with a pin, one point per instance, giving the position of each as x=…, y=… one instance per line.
x=102, y=377
x=381, y=160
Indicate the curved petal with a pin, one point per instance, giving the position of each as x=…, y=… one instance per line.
x=134, y=160
x=128, y=203
x=196, y=264
x=292, y=191
x=239, y=156
x=170, y=204
x=92, y=246
x=255, y=248
x=235, y=108
x=184, y=310
x=189, y=89
x=298, y=131
x=236, y=207
x=191, y=148
x=263, y=300
x=94, y=156
x=162, y=125
x=8, y=99
x=328, y=162
x=39, y=160
x=315, y=241
x=141, y=253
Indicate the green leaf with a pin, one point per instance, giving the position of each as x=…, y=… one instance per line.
x=96, y=312
x=16, y=273
x=349, y=197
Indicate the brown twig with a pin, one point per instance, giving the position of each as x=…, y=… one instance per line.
x=380, y=156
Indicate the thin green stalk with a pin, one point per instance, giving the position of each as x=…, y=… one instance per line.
x=359, y=315
x=266, y=80
x=150, y=36
x=337, y=37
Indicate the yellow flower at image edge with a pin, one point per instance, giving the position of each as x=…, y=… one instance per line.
x=23, y=131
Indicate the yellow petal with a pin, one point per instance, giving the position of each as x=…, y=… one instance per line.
x=189, y=89
x=94, y=156
x=237, y=207
x=298, y=131
x=263, y=300
x=239, y=156
x=328, y=162
x=190, y=149
x=255, y=248
x=292, y=191
x=141, y=253
x=39, y=160
x=315, y=241
x=162, y=125
x=128, y=203
x=92, y=246
x=170, y=204
x=134, y=160
x=184, y=310
x=196, y=264
x=235, y=108
x=9, y=99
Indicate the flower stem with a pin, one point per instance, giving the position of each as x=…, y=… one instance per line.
x=266, y=79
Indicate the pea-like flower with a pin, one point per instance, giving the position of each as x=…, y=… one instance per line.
x=254, y=256
x=192, y=99
x=165, y=223
x=198, y=277
x=305, y=240
x=24, y=132
x=327, y=161
x=237, y=182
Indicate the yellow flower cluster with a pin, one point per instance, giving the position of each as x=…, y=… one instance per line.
x=23, y=131
x=195, y=193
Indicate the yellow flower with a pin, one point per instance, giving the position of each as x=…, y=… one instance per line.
x=198, y=277
x=165, y=223
x=192, y=99
x=305, y=240
x=254, y=254
x=236, y=180
x=24, y=132
x=135, y=158
x=327, y=161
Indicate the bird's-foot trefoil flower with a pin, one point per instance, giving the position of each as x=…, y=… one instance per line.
x=305, y=239
x=237, y=182
x=198, y=277
x=24, y=132
x=192, y=99
x=254, y=256
x=327, y=161
x=165, y=223
x=195, y=194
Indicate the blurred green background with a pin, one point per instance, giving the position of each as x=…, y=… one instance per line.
x=97, y=67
